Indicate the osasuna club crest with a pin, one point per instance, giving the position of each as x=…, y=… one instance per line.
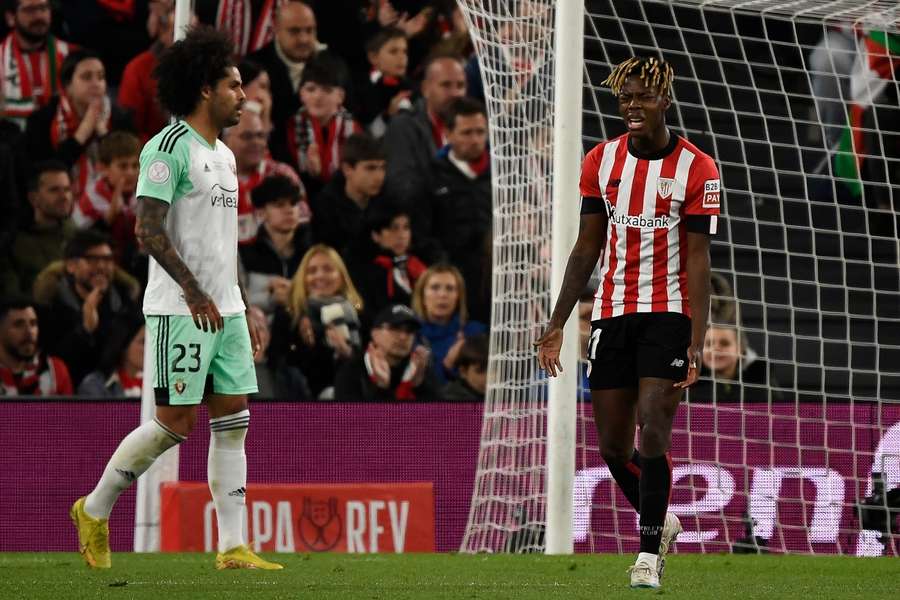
x=664, y=186
x=180, y=385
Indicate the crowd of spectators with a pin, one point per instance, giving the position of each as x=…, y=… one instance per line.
x=364, y=203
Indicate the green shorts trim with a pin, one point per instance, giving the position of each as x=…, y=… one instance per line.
x=194, y=363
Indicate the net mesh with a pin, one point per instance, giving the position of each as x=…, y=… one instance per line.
x=797, y=102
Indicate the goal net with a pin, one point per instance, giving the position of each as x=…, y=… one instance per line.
x=797, y=449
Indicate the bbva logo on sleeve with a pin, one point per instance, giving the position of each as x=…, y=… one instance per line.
x=710, y=194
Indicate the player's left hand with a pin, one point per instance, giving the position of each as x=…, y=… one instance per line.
x=548, y=346
x=693, y=354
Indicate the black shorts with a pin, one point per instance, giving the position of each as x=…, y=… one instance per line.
x=623, y=349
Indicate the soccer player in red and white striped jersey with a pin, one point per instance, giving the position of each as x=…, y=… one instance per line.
x=650, y=202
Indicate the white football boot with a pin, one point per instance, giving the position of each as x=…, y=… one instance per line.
x=671, y=528
x=643, y=573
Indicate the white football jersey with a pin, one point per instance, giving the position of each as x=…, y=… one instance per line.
x=200, y=183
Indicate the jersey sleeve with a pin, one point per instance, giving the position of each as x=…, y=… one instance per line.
x=590, y=174
x=703, y=197
x=161, y=173
x=591, y=195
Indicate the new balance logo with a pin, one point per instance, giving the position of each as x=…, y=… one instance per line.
x=239, y=493
x=678, y=362
x=128, y=475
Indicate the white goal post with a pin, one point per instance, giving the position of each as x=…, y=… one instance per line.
x=797, y=102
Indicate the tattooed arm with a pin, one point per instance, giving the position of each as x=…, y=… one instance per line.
x=151, y=232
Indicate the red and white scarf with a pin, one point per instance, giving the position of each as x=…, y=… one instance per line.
x=63, y=126
x=405, y=390
x=303, y=130
x=131, y=386
x=40, y=377
x=29, y=79
x=236, y=18
x=402, y=271
x=93, y=204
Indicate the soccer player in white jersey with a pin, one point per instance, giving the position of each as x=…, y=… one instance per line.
x=650, y=202
x=194, y=305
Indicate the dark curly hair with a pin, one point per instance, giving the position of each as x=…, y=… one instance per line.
x=190, y=64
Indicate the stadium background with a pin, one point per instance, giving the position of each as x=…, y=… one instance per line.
x=817, y=284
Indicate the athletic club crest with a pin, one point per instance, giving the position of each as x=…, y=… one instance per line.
x=664, y=186
x=180, y=385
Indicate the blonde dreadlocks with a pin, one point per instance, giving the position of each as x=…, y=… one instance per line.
x=653, y=72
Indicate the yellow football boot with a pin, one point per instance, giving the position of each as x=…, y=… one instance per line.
x=242, y=557
x=93, y=536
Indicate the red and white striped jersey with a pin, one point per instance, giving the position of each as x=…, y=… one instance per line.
x=652, y=202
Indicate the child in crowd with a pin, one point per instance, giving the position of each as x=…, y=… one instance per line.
x=471, y=364
x=318, y=130
x=108, y=203
x=387, y=89
x=384, y=269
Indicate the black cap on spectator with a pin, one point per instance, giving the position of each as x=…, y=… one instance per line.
x=82, y=241
x=274, y=188
x=397, y=315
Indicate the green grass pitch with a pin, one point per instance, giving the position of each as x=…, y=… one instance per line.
x=435, y=576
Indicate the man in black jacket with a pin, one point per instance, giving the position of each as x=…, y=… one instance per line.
x=339, y=212
x=79, y=317
x=285, y=57
x=390, y=369
x=414, y=137
x=281, y=241
x=457, y=215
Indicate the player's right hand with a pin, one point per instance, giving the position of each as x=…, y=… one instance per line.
x=203, y=310
x=548, y=346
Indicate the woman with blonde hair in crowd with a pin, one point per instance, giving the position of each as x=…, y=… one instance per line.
x=320, y=326
x=439, y=299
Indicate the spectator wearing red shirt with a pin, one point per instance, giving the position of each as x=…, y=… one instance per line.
x=137, y=91
x=24, y=369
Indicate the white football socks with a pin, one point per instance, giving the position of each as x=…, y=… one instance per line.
x=134, y=455
x=227, y=474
